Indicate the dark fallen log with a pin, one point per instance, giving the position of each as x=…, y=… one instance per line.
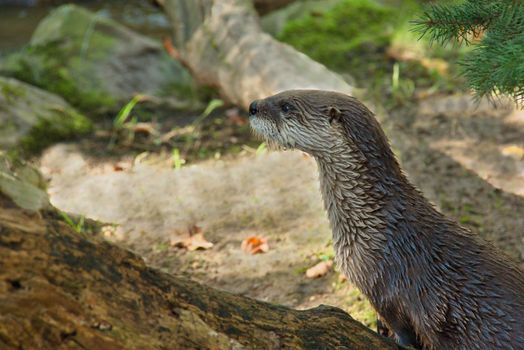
x=62, y=290
x=223, y=45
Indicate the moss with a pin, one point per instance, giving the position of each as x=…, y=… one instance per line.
x=62, y=125
x=354, y=36
x=10, y=91
x=92, y=62
x=64, y=64
x=47, y=67
x=344, y=34
x=55, y=68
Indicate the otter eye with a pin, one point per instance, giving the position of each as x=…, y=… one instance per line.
x=286, y=107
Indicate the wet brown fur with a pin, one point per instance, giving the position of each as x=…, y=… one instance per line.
x=436, y=285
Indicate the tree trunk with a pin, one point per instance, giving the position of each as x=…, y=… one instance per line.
x=61, y=290
x=223, y=45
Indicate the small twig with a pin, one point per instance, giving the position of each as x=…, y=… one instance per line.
x=173, y=52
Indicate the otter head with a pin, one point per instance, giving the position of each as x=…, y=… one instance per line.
x=313, y=121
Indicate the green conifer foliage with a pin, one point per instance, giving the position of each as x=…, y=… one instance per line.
x=496, y=64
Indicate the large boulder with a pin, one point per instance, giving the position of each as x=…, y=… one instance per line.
x=95, y=63
x=31, y=118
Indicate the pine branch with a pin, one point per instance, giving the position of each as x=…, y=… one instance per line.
x=496, y=65
x=443, y=23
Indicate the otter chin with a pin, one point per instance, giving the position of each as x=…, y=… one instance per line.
x=435, y=284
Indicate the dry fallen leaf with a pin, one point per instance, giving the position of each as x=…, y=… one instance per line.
x=319, y=269
x=144, y=128
x=108, y=231
x=255, y=245
x=514, y=152
x=400, y=53
x=404, y=54
x=195, y=241
x=102, y=325
x=436, y=64
x=122, y=165
x=342, y=278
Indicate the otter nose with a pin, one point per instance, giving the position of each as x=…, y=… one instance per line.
x=253, y=107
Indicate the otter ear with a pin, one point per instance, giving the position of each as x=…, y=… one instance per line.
x=334, y=114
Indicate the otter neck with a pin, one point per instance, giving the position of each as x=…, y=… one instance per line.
x=359, y=197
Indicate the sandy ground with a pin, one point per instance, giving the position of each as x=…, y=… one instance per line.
x=468, y=159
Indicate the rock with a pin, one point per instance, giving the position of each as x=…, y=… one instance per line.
x=31, y=118
x=97, y=64
x=23, y=185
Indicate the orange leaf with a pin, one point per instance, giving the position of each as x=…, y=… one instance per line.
x=319, y=269
x=255, y=245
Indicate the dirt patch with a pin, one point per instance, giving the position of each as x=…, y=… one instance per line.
x=452, y=148
x=275, y=196
x=450, y=153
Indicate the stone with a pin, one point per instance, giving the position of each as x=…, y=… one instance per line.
x=31, y=119
x=97, y=64
x=23, y=184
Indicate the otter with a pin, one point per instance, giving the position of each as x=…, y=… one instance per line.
x=434, y=283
